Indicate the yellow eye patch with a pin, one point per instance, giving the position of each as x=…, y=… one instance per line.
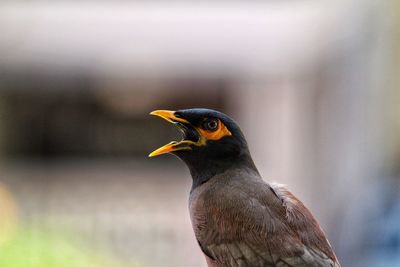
x=219, y=133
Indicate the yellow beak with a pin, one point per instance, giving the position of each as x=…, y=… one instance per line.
x=169, y=116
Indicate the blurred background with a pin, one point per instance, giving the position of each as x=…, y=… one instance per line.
x=313, y=84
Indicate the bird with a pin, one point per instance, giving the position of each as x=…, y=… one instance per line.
x=239, y=219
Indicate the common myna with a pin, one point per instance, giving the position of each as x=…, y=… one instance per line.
x=240, y=220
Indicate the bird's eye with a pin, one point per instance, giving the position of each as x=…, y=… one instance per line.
x=211, y=125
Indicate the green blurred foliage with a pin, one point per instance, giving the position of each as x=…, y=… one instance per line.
x=43, y=248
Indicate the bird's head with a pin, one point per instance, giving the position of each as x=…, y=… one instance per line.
x=212, y=141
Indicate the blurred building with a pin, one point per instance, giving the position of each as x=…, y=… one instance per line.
x=313, y=86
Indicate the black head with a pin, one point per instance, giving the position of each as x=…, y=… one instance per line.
x=212, y=142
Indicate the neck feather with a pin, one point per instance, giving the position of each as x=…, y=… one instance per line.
x=203, y=169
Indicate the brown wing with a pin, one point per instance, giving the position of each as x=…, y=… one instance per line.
x=300, y=219
x=244, y=255
x=249, y=224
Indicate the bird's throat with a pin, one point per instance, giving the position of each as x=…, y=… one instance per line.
x=202, y=170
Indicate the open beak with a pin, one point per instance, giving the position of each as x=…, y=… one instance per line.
x=190, y=134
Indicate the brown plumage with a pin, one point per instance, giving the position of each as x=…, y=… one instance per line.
x=240, y=220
